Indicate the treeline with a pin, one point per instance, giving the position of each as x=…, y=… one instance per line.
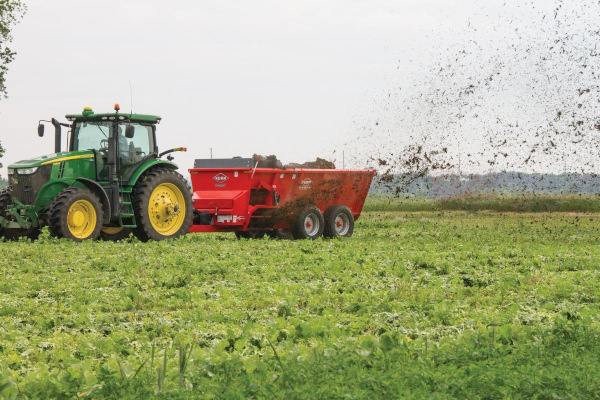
x=500, y=203
x=449, y=186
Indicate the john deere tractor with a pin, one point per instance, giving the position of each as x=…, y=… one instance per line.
x=111, y=182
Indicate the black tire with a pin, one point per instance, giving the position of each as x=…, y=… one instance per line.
x=59, y=215
x=250, y=234
x=107, y=234
x=339, y=222
x=308, y=223
x=283, y=234
x=5, y=200
x=142, y=193
x=14, y=234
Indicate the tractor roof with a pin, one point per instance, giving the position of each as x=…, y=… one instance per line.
x=87, y=116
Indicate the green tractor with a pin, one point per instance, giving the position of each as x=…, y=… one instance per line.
x=111, y=182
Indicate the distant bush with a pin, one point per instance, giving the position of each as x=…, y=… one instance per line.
x=500, y=203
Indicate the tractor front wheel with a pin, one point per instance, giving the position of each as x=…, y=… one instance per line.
x=76, y=214
x=14, y=234
x=162, y=203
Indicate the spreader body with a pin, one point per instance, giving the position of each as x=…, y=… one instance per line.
x=263, y=199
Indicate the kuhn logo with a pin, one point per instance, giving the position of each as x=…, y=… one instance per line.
x=220, y=178
x=306, y=184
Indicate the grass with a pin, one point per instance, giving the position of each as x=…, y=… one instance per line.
x=498, y=203
x=416, y=305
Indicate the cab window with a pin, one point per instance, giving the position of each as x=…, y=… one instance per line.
x=91, y=135
x=133, y=150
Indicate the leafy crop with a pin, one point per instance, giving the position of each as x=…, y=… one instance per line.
x=418, y=305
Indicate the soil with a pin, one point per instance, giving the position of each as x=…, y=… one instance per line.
x=272, y=161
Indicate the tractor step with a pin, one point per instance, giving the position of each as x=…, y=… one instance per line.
x=127, y=215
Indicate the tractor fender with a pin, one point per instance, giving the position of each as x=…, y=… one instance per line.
x=101, y=193
x=149, y=165
x=49, y=191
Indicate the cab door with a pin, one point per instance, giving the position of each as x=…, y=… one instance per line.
x=133, y=152
x=94, y=136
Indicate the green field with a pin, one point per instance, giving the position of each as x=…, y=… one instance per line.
x=416, y=305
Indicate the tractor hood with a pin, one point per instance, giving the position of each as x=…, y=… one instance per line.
x=52, y=158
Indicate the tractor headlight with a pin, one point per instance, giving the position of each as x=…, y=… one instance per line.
x=11, y=171
x=27, y=171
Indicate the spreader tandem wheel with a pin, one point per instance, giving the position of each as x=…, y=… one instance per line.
x=162, y=205
x=250, y=235
x=308, y=223
x=339, y=222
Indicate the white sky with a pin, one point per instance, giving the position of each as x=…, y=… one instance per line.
x=271, y=77
x=298, y=79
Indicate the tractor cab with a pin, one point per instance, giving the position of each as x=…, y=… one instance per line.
x=133, y=137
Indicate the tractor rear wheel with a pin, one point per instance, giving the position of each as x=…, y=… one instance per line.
x=76, y=214
x=308, y=223
x=14, y=234
x=114, y=234
x=339, y=222
x=162, y=204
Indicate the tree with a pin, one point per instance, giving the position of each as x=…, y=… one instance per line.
x=11, y=11
x=1, y=154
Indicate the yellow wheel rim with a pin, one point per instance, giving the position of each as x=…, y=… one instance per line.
x=166, y=209
x=81, y=219
x=111, y=230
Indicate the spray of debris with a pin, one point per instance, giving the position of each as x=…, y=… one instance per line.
x=517, y=99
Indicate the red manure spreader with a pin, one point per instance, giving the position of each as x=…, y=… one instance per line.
x=233, y=195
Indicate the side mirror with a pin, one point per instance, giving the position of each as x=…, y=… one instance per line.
x=129, y=131
x=40, y=130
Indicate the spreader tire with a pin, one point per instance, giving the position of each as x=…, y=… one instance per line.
x=308, y=223
x=339, y=222
x=14, y=234
x=282, y=234
x=162, y=204
x=76, y=214
x=113, y=234
x=250, y=235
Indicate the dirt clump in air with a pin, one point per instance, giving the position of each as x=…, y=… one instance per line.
x=517, y=91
